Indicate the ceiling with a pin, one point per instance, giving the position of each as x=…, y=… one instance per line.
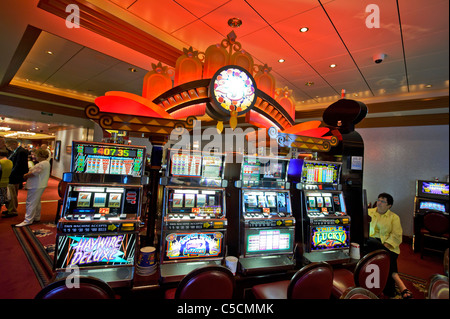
x=409, y=87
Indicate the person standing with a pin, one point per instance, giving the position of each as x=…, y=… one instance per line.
x=5, y=170
x=37, y=181
x=19, y=158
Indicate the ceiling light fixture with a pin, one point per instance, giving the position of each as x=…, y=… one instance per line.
x=281, y=60
x=132, y=70
x=235, y=22
x=5, y=128
x=332, y=65
x=36, y=69
x=428, y=86
x=304, y=29
x=49, y=52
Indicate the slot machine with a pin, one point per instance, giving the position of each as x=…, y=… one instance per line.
x=99, y=224
x=194, y=223
x=325, y=222
x=430, y=196
x=267, y=226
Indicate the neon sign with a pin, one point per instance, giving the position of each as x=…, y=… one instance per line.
x=329, y=237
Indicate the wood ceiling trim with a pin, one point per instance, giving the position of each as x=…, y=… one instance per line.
x=391, y=106
x=38, y=105
x=112, y=27
x=53, y=98
x=410, y=120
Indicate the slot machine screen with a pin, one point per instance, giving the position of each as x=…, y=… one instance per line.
x=104, y=200
x=108, y=159
x=426, y=205
x=320, y=172
x=263, y=171
x=261, y=241
x=184, y=164
x=212, y=166
x=195, y=201
x=270, y=202
x=193, y=245
x=330, y=237
x=432, y=189
x=89, y=250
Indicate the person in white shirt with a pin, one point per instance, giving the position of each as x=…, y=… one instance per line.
x=37, y=180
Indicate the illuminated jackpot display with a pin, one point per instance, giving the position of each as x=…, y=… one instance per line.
x=193, y=245
x=320, y=172
x=435, y=188
x=329, y=237
x=91, y=250
x=108, y=159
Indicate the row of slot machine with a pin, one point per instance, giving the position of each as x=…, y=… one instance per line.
x=197, y=210
x=98, y=232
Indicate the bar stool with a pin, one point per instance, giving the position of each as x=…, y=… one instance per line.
x=358, y=293
x=90, y=288
x=208, y=282
x=313, y=281
x=344, y=278
x=437, y=287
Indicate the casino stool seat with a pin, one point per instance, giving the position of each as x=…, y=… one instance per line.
x=358, y=293
x=435, y=229
x=62, y=186
x=437, y=287
x=208, y=282
x=313, y=281
x=344, y=278
x=90, y=288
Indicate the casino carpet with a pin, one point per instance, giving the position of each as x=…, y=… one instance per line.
x=17, y=277
x=32, y=239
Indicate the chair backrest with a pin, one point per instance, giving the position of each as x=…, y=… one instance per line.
x=436, y=223
x=437, y=287
x=372, y=271
x=358, y=293
x=89, y=288
x=208, y=282
x=313, y=281
x=62, y=186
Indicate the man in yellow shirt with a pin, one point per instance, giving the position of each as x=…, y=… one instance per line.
x=386, y=233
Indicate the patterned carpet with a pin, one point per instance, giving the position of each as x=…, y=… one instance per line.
x=38, y=243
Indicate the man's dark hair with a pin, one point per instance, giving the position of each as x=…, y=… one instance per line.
x=389, y=198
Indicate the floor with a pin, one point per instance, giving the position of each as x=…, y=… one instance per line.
x=18, y=281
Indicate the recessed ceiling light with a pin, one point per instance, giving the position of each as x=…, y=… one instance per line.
x=36, y=68
x=428, y=86
x=332, y=65
x=49, y=52
x=281, y=60
x=304, y=29
x=309, y=83
x=132, y=70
